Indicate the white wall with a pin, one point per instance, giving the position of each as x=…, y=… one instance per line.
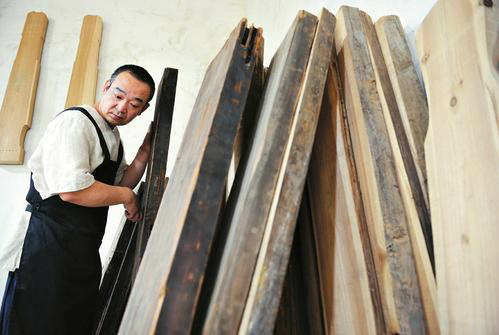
x=155, y=34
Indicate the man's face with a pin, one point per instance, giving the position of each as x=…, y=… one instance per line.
x=123, y=99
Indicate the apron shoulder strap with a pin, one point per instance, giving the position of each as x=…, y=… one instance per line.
x=99, y=132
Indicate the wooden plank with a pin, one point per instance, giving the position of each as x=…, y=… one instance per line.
x=252, y=203
x=85, y=68
x=118, y=279
x=409, y=94
x=401, y=298
x=198, y=234
x=264, y=296
x=197, y=182
x=349, y=286
x=407, y=172
x=458, y=48
x=17, y=106
x=156, y=169
x=410, y=186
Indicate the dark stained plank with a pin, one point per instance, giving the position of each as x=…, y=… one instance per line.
x=197, y=183
x=201, y=224
x=156, y=170
x=263, y=299
x=252, y=203
x=117, y=281
x=384, y=208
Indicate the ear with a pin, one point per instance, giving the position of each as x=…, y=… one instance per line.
x=107, y=84
x=144, y=108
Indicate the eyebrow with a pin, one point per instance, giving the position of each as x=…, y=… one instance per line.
x=122, y=91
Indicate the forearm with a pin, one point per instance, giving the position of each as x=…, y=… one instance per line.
x=134, y=172
x=98, y=195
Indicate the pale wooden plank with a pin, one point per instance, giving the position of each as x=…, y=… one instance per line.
x=17, y=106
x=254, y=197
x=85, y=68
x=374, y=161
x=350, y=292
x=196, y=189
x=458, y=48
x=263, y=299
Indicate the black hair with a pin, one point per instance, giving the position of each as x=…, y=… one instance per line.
x=137, y=72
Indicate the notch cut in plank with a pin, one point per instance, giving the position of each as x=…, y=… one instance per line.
x=156, y=169
x=85, y=68
x=16, y=113
x=347, y=276
x=458, y=45
x=252, y=202
x=374, y=160
x=263, y=299
x=197, y=182
x=200, y=227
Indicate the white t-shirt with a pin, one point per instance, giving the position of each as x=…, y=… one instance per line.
x=63, y=161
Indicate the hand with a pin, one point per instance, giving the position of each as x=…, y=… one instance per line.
x=145, y=147
x=132, y=208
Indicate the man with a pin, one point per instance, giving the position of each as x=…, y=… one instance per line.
x=78, y=170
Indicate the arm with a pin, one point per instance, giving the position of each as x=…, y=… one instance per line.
x=99, y=194
x=135, y=170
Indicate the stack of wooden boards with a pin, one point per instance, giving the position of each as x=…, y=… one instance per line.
x=325, y=226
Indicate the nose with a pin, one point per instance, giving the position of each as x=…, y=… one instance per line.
x=121, y=105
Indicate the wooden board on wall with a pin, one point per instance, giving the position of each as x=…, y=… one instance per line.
x=263, y=299
x=85, y=68
x=458, y=46
x=17, y=106
x=252, y=203
x=387, y=223
x=192, y=201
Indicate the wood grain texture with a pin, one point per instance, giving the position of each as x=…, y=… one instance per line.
x=253, y=201
x=411, y=186
x=263, y=298
x=196, y=189
x=156, y=169
x=401, y=298
x=191, y=258
x=349, y=288
x=17, y=106
x=405, y=165
x=458, y=45
x=86, y=65
x=409, y=94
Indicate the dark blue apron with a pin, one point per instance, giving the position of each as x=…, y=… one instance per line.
x=56, y=285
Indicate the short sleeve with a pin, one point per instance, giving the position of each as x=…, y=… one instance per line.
x=62, y=162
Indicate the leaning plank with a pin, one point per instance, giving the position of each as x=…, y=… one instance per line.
x=252, y=203
x=84, y=76
x=156, y=169
x=192, y=201
x=17, y=107
x=117, y=281
x=374, y=161
x=266, y=287
x=410, y=186
x=198, y=234
x=409, y=94
x=349, y=286
x=458, y=44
